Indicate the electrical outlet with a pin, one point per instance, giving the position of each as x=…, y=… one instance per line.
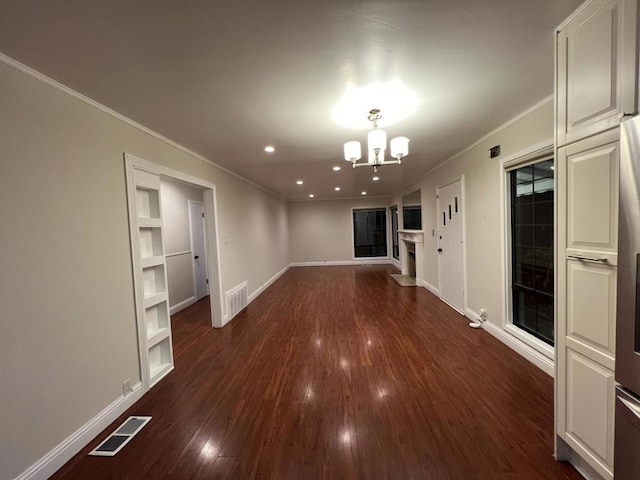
x=483, y=315
x=126, y=387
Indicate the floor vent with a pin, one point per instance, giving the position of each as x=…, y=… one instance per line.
x=118, y=439
x=236, y=300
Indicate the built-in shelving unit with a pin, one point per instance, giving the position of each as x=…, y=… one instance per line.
x=152, y=292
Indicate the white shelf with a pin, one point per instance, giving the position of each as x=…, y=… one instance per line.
x=147, y=202
x=156, y=319
x=153, y=280
x=149, y=222
x=160, y=359
x=148, y=262
x=150, y=242
x=156, y=336
x=154, y=300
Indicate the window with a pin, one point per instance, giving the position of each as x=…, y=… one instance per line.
x=395, y=243
x=370, y=232
x=532, y=233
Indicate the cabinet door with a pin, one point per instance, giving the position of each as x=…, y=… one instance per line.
x=587, y=193
x=590, y=411
x=596, y=72
x=589, y=176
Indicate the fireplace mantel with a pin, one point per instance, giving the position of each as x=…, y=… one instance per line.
x=416, y=237
x=411, y=236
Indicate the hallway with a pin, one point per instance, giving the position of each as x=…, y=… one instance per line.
x=339, y=373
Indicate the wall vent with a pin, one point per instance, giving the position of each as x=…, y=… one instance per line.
x=236, y=300
x=118, y=439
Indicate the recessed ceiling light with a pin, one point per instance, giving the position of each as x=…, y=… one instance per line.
x=299, y=182
x=311, y=195
x=364, y=193
x=375, y=179
x=269, y=149
x=336, y=168
x=337, y=189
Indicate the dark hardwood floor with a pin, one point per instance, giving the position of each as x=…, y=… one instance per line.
x=338, y=373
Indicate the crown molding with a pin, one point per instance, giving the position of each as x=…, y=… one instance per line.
x=10, y=62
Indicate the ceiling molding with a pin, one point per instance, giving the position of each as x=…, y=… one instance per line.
x=520, y=116
x=10, y=62
x=361, y=197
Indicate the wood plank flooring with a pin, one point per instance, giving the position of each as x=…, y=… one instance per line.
x=339, y=373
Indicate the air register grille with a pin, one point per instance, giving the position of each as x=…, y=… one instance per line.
x=236, y=300
x=123, y=435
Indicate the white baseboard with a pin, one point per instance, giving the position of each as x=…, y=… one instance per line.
x=430, y=287
x=329, y=263
x=257, y=292
x=396, y=264
x=539, y=360
x=182, y=305
x=267, y=284
x=56, y=458
x=581, y=465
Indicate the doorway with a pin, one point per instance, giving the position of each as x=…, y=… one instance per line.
x=451, y=249
x=198, y=248
x=148, y=237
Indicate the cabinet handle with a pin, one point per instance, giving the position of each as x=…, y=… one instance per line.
x=585, y=257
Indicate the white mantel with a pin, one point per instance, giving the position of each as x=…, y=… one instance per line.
x=416, y=237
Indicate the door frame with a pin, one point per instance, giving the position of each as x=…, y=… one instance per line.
x=463, y=216
x=212, y=245
x=206, y=252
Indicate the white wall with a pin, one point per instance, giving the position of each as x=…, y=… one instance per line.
x=177, y=238
x=482, y=201
x=321, y=231
x=68, y=329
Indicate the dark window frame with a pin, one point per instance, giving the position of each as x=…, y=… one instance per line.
x=370, y=241
x=532, y=233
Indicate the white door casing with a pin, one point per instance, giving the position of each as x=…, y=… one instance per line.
x=198, y=248
x=451, y=249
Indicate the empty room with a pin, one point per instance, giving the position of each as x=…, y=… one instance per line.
x=319, y=240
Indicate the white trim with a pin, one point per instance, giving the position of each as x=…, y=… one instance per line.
x=182, y=305
x=478, y=142
x=211, y=223
x=340, y=199
x=395, y=263
x=539, y=360
x=583, y=468
x=529, y=155
x=10, y=62
x=266, y=284
x=431, y=288
x=65, y=451
x=257, y=292
x=335, y=263
x=177, y=253
x=571, y=17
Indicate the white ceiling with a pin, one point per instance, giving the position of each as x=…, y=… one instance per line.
x=227, y=78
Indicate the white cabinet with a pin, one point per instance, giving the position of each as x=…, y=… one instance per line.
x=596, y=69
x=587, y=192
x=151, y=289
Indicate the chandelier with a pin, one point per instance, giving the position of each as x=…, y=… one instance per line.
x=376, y=146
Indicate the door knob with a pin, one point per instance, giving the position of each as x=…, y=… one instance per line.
x=196, y=257
x=439, y=250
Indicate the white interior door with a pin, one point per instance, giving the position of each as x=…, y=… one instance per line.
x=451, y=245
x=196, y=220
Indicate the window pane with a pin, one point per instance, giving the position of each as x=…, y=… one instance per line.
x=370, y=233
x=532, y=237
